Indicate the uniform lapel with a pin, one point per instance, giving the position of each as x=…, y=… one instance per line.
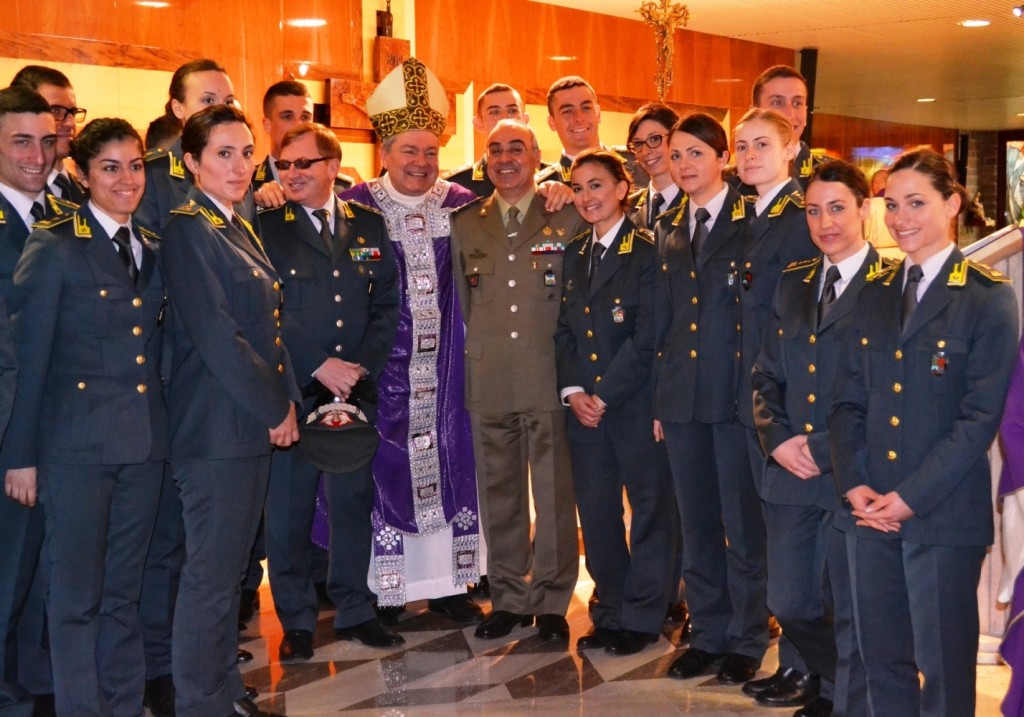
x=611, y=259
x=305, y=229
x=100, y=246
x=936, y=296
x=847, y=301
x=809, y=307
x=148, y=258
x=724, y=228
x=534, y=221
x=342, y=229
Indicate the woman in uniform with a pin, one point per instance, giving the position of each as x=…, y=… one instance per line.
x=918, y=401
x=604, y=345
x=648, y=141
x=231, y=397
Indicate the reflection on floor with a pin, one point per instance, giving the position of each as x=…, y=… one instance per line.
x=443, y=670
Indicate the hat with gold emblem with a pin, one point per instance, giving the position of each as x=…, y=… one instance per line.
x=410, y=97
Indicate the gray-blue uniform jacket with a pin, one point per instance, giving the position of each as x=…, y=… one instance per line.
x=916, y=410
x=605, y=336
x=794, y=377
x=89, y=344
x=231, y=377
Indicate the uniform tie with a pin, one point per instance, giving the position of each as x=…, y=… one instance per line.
x=914, y=276
x=38, y=212
x=828, y=293
x=63, y=184
x=123, y=240
x=325, y=228
x=512, y=225
x=656, y=201
x=596, y=252
x=700, y=232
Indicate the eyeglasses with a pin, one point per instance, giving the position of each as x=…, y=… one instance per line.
x=517, y=149
x=283, y=165
x=60, y=113
x=653, y=141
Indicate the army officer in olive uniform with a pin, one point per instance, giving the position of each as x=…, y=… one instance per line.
x=508, y=253
x=341, y=311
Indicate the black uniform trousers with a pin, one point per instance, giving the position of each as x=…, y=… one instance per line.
x=288, y=520
x=222, y=500
x=99, y=521
x=161, y=575
x=720, y=513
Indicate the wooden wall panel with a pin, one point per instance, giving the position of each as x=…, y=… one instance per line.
x=838, y=135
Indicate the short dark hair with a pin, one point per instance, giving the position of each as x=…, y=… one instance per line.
x=567, y=83
x=496, y=87
x=33, y=76
x=612, y=162
x=836, y=170
x=162, y=130
x=326, y=141
x=95, y=135
x=197, y=130
x=773, y=73
x=284, y=88
x=937, y=168
x=705, y=128
x=21, y=99
x=656, y=112
x=176, y=91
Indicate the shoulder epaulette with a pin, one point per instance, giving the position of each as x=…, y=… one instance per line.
x=546, y=174
x=363, y=207
x=451, y=173
x=51, y=223
x=646, y=234
x=582, y=235
x=152, y=154
x=190, y=208
x=984, y=271
x=471, y=203
x=150, y=235
x=802, y=264
x=796, y=198
x=62, y=206
x=882, y=271
x=344, y=180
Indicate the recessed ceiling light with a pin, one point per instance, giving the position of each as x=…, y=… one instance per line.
x=152, y=3
x=307, y=22
x=562, y=58
x=925, y=99
x=1020, y=114
x=727, y=79
x=974, y=23
x=1019, y=10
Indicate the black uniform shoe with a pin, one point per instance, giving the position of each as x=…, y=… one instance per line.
x=247, y=708
x=552, y=628
x=818, y=707
x=371, y=633
x=243, y=656
x=793, y=690
x=597, y=637
x=458, y=607
x=159, y=696
x=737, y=669
x=692, y=663
x=389, y=614
x=756, y=687
x=296, y=645
x=500, y=623
x=630, y=642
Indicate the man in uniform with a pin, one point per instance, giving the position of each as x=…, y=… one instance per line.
x=426, y=527
x=573, y=113
x=28, y=149
x=782, y=88
x=508, y=267
x=341, y=309
x=286, y=104
x=56, y=89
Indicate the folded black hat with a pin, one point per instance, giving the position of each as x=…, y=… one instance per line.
x=335, y=436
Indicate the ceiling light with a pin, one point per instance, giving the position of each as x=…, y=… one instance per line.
x=152, y=3
x=1020, y=114
x=728, y=79
x=562, y=58
x=925, y=99
x=307, y=22
x=1019, y=10
x=974, y=23
x=303, y=68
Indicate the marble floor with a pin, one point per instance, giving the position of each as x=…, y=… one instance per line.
x=442, y=669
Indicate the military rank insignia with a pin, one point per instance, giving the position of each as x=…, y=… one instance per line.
x=177, y=166
x=289, y=214
x=82, y=228
x=548, y=247
x=365, y=253
x=3, y=219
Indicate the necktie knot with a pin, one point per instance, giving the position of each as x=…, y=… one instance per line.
x=828, y=292
x=123, y=241
x=702, y=215
x=37, y=212
x=700, y=231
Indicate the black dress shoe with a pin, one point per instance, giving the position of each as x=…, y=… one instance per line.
x=597, y=637
x=630, y=642
x=244, y=656
x=251, y=693
x=458, y=607
x=296, y=645
x=552, y=628
x=818, y=707
x=692, y=663
x=371, y=633
x=44, y=706
x=248, y=605
x=500, y=623
x=159, y=696
x=247, y=708
x=737, y=669
x=793, y=690
x=389, y=614
x=756, y=687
